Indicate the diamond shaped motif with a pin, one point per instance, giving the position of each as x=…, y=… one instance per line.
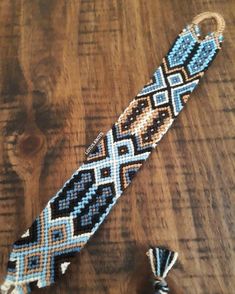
x=122, y=150
x=105, y=172
x=33, y=263
x=57, y=234
x=160, y=98
x=175, y=79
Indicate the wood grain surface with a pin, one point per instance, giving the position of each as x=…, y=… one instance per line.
x=67, y=70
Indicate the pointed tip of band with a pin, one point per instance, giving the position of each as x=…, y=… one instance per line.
x=10, y=288
x=5, y=287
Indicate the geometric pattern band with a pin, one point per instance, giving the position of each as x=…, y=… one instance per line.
x=72, y=216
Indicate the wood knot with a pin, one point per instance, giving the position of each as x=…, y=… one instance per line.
x=30, y=144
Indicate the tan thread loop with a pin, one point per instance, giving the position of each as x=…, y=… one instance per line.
x=220, y=22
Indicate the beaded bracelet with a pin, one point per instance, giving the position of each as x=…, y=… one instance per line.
x=72, y=216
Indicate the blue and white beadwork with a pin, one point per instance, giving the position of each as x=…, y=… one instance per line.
x=73, y=215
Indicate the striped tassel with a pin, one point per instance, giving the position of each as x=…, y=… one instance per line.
x=161, y=260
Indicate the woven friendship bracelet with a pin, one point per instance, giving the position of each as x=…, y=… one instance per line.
x=73, y=215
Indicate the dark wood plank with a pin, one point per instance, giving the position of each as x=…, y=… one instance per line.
x=67, y=70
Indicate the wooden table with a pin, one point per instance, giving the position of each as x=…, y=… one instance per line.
x=67, y=70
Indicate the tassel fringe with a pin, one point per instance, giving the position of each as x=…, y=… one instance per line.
x=161, y=260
